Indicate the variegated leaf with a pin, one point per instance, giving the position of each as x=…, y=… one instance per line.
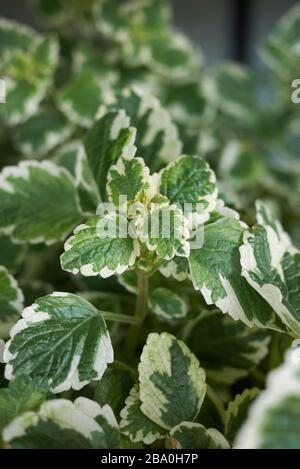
x=14, y=36
x=129, y=280
x=241, y=165
x=115, y=19
x=110, y=138
x=164, y=229
x=22, y=395
x=271, y=265
x=85, y=98
x=72, y=156
x=167, y=305
x=113, y=388
x=232, y=350
x=62, y=424
x=230, y=88
x=186, y=104
x=216, y=271
x=101, y=246
x=130, y=178
x=178, y=268
x=189, y=435
x=273, y=419
x=237, y=412
x=41, y=133
x=171, y=390
x=281, y=49
x=141, y=29
x=28, y=75
x=11, y=301
x=169, y=54
x=77, y=348
x=28, y=212
x=189, y=180
x=135, y=424
x=157, y=136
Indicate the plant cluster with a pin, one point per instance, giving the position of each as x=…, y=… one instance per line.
x=146, y=340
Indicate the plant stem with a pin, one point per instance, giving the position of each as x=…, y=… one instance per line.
x=140, y=314
x=275, y=357
x=124, y=318
x=142, y=298
x=141, y=305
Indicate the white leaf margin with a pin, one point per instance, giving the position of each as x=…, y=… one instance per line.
x=22, y=171
x=281, y=383
x=78, y=416
x=30, y=316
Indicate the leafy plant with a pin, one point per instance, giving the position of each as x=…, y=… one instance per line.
x=171, y=302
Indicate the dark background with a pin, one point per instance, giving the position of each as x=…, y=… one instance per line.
x=224, y=29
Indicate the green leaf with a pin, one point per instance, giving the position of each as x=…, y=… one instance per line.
x=126, y=443
x=167, y=305
x=186, y=104
x=280, y=51
x=241, y=165
x=86, y=57
x=274, y=418
x=105, y=301
x=40, y=134
x=72, y=156
x=28, y=76
x=110, y=138
x=168, y=54
x=52, y=12
x=142, y=30
x=23, y=394
x=216, y=271
x=157, y=137
x=237, y=412
x=129, y=280
x=116, y=19
x=212, y=411
x=77, y=348
x=164, y=230
x=189, y=180
x=113, y=389
x=85, y=98
x=189, y=435
x=11, y=301
x=65, y=13
x=177, y=268
x=135, y=424
x=11, y=254
x=227, y=349
x=230, y=88
x=93, y=251
x=172, y=389
x=271, y=265
x=63, y=424
x=26, y=210
x=130, y=178
x=14, y=36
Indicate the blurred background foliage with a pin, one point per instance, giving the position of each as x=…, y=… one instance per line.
x=226, y=84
